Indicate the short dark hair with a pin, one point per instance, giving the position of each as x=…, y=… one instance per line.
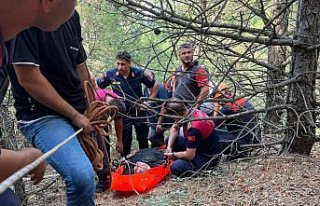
x=118, y=103
x=185, y=46
x=173, y=107
x=149, y=72
x=124, y=55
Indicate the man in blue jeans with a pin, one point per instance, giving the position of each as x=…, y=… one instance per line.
x=16, y=16
x=126, y=81
x=49, y=101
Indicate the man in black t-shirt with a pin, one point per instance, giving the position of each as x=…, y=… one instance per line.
x=16, y=16
x=48, y=15
x=49, y=101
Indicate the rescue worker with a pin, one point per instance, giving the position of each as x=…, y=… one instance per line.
x=212, y=108
x=240, y=130
x=193, y=145
x=157, y=137
x=126, y=81
x=189, y=81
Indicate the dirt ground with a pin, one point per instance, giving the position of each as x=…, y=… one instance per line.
x=273, y=180
x=264, y=180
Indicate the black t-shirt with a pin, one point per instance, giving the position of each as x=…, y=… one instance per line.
x=57, y=54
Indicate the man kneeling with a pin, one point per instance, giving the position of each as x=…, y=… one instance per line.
x=192, y=142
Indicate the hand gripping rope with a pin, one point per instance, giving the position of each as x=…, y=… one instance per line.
x=100, y=116
x=22, y=172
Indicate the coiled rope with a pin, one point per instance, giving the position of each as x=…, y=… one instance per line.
x=100, y=115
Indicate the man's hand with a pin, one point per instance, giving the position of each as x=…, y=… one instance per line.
x=81, y=121
x=145, y=105
x=31, y=154
x=38, y=173
x=170, y=155
x=168, y=150
x=159, y=128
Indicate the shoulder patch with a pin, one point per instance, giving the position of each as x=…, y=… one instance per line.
x=192, y=138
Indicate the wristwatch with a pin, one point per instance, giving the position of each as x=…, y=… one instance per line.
x=172, y=155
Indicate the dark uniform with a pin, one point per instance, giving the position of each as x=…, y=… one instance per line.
x=200, y=135
x=131, y=89
x=157, y=139
x=188, y=83
x=244, y=129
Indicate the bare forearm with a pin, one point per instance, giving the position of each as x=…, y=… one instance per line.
x=203, y=93
x=83, y=72
x=161, y=117
x=173, y=136
x=84, y=76
x=49, y=97
x=216, y=109
x=11, y=161
x=118, y=124
x=154, y=90
x=189, y=154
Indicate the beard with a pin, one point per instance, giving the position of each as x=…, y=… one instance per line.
x=187, y=60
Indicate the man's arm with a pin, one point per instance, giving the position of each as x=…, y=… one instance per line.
x=11, y=161
x=204, y=91
x=193, y=137
x=189, y=154
x=154, y=90
x=84, y=75
x=174, y=130
x=83, y=72
x=31, y=79
x=160, y=119
x=216, y=109
x=202, y=80
x=118, y=125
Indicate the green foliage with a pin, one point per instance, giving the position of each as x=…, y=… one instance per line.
x=106, y=31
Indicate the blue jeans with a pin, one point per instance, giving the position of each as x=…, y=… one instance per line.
x=9, y=198
x=69, y=161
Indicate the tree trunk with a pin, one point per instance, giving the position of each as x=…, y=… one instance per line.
x=301, y=132
x=277, y=56
x=7, y=124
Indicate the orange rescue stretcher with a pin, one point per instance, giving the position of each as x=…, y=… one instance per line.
x=141, y=182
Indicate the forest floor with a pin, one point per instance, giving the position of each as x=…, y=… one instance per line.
x=263, y=180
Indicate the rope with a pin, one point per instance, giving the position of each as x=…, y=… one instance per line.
x=100, y=115
x=25, y=170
